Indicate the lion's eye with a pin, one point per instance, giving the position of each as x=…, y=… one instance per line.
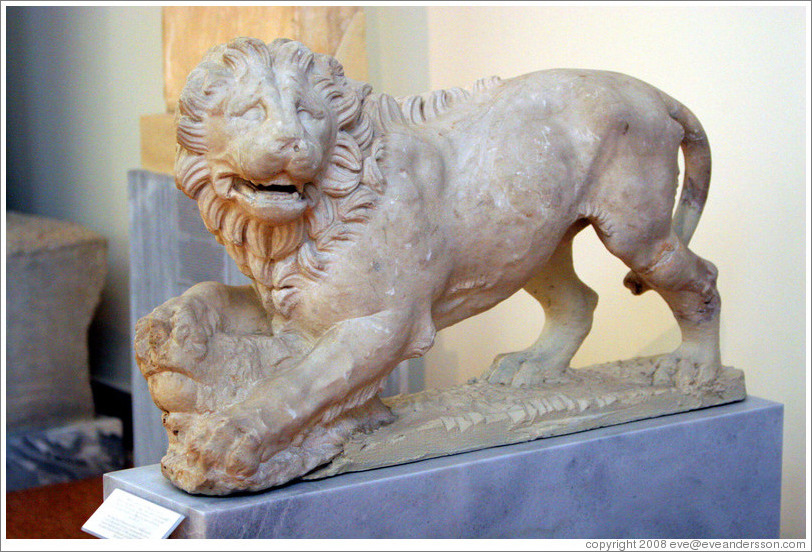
x=254, y=113
x=311, y=112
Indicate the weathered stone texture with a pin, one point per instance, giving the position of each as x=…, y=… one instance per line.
x=55, y=271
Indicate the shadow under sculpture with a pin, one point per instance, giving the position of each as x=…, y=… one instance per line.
x=368, y=222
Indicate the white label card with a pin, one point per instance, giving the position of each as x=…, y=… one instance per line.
x=125, y=516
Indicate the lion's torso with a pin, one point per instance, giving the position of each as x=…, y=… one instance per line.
x=477, y=199
x=341, y=204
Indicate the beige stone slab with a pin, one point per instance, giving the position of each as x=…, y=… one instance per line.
x=158, y=142
x=481, y=415
x=189, y=31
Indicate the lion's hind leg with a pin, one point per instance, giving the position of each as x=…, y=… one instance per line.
x=568, y=307
x=687, y=283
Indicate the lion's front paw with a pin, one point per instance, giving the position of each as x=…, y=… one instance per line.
x=245, y=447
x=213, y=453
x=257, y=444
x=230, y=442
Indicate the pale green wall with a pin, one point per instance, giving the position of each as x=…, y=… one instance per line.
x=397, y=48
x=78, y=80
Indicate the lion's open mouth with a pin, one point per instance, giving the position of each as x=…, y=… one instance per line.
x=277, y=188
x=278, y=199
x=280, y=188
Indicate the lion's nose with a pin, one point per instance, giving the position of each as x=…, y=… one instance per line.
x=290, y=155
x=286, y=146
x=264, y=161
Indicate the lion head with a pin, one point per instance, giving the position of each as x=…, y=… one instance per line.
x=273, y=143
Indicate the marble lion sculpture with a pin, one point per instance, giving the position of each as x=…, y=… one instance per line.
x=367, y=223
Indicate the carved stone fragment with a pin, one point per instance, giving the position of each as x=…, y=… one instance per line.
x=55, y=272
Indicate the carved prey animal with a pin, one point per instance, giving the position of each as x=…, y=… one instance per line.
x=368, y=223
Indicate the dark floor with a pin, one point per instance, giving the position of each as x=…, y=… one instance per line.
x=54, y=511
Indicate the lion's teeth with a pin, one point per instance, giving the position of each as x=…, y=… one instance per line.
x=286, y=192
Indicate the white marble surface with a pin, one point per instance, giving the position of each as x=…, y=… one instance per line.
x=367, y=223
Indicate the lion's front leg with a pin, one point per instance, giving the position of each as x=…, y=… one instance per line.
x=298, y=419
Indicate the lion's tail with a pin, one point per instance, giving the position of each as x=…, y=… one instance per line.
x=695, y=183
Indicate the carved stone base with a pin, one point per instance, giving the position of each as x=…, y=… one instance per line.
x=480, y=415
x=712, y=473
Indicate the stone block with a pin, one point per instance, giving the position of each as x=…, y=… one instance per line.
x=55, y=272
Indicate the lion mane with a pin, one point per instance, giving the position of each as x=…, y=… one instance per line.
x=279, y=258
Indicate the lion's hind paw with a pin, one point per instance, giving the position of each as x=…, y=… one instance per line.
x=684, y=373
x=526, y=369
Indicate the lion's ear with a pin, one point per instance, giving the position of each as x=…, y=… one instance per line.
x=289, y=52
x=362, y=89
x=346, y=98
x=250, y=49
x=335, y=66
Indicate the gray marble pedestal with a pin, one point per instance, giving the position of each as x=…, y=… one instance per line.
x=712, y=473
